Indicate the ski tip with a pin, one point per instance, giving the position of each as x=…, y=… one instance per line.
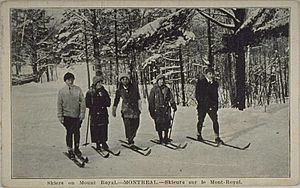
x=184, y=146
x=106, y=156
x=247, y=146
x=118, y=153
x=148, y=153
x=82, y=165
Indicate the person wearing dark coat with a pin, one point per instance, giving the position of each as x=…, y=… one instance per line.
x=160, y=102
x=207, y=98
x=97, y=100
x=131, y=106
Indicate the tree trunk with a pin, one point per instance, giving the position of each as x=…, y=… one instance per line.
x=182, y=76
x=145, y=84
x=240, y=74
x=176, y=91
x=47, y=73
x=270, y=86
x=116, y=45
x=265, y=81
x=286, y=69
x=229, y=80
x=96, y=44
x=240, y=79
x=87, y=55
x=210, y=56
x=281, y=80
x=110, y=73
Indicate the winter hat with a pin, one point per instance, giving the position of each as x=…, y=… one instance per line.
x=97, y=79
x=68, y=76
x=160, y=76
x=122, y=75
x=209, y=69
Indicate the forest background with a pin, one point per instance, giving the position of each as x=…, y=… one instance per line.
x=248, y=48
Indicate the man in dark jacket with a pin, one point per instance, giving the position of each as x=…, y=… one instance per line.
x=160, y=102
x=131, y=106
x=97, y=100
x=207, y=98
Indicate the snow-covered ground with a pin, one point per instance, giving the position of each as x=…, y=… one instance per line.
x=39, y=140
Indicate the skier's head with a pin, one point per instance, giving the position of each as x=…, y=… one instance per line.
x=97, y=81
x=124, y=78
x=160, y=79
x=69, y=78
x=209, y=73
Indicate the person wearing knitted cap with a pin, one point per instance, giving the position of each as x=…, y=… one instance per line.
x=71, y=112
x=131, y=106
x=206, y=95
x=160, y=102
x=97, y=100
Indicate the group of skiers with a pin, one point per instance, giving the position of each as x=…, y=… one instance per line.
x=72, y=104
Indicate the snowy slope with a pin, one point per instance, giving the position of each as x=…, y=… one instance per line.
x=39, y=139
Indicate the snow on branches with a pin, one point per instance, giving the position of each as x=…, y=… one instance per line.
x=153, y=34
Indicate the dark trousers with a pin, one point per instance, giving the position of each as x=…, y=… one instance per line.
x=131, y=127
x=99, y=133
x=213, y=116
x=72, y=126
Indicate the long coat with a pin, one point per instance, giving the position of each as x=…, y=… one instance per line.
x=130, y=103
x=207, y=94
x=160, y=102
x=97, y=100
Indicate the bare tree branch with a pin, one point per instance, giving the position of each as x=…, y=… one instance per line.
x=81, y=17
x=229, y=14
x=251, y=20
x=228, y=26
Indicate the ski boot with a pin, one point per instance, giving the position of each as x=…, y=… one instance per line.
x=167, y=140
x=71, y=154
x=219, y=141
x=78, y=152
x=98, y=147
x=131, y=143
x=105, y=146
x=160, y=140
x=199, y=138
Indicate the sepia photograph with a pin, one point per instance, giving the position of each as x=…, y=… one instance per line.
x=127, y=93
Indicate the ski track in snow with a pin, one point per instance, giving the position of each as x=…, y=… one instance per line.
x=39, y=140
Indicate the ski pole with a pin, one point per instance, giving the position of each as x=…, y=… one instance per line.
x=172, y=124
x=87, y=131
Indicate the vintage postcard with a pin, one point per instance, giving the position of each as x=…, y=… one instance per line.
x=149, y=93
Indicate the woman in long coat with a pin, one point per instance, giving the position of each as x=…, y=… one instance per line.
x=160, y=102
x=97, y=100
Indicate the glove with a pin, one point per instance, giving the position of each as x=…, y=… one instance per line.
x=81, y=117
x=114, y=108
x=140, y=105
x=61, y=120
x=92, y=90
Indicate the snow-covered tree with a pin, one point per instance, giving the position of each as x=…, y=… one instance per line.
x=70, y=38
x=153, y=34
x=248, y=26
x=32, y=38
